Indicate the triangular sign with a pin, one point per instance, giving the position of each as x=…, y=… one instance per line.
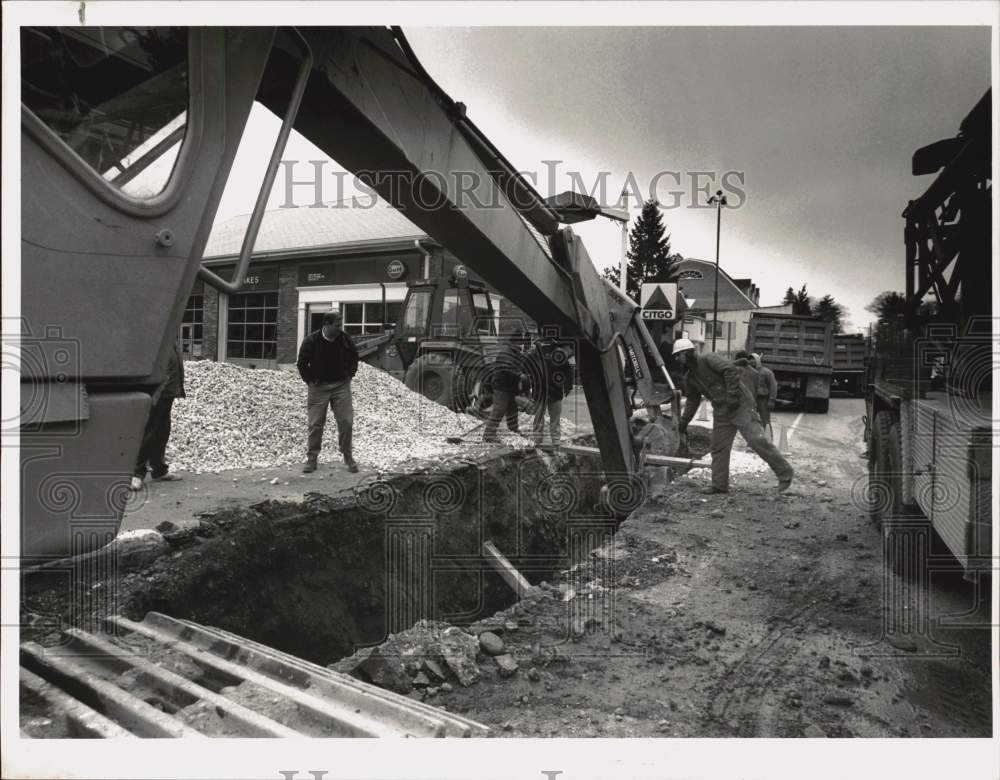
x=658, y=300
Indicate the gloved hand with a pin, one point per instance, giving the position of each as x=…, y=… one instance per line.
x=770, y=405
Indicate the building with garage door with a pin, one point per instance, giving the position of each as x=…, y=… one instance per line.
x=305, y=263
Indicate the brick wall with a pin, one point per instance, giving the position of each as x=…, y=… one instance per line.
x=210, y=324
x=288, y=312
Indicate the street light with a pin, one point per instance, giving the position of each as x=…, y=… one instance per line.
x=572, y=207
x=718, y=200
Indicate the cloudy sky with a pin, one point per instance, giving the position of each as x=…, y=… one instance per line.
x=819, y=123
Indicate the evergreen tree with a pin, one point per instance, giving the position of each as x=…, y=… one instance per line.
x=802, y=303
x=829, y=310
x=789, y=297
x=649, y=258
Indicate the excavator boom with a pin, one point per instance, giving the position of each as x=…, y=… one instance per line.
x=122, y=262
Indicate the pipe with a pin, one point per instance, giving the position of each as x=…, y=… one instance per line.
x=257, y=216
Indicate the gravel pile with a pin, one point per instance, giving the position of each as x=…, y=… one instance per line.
x=237, y=418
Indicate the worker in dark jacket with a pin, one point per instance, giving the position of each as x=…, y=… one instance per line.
x=328, y=361
x=509, y=374
x=733, y=409
x=153, y=450
x=553, y=362
x=767, y=393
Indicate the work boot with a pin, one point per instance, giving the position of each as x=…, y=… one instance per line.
x=309, y=467
x=351, y=465
x=712, y=490
x=784, y=483
x=135, y=485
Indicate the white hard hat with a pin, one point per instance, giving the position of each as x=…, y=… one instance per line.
x=680, y=345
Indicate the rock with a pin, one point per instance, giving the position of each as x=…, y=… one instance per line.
x=421, y=681
x=433, y=669
x=459, y=651
x=838, y=700
x=135, y=550
x=512, y=625
x=166, y=527
x=446, y=687
x=351, y=663
x=821, y=482
x=432, y=691
x=506, y=664
x=813, y=732
x=578, y=629
x=715, y=628
x=490, y=643
x=841, y=537
x=534, y=675
x=866, y=671
x=275, y=481
x=824, y=662
x=901, y=642
x=387, y=671
x=716, y=513
x=791, y=524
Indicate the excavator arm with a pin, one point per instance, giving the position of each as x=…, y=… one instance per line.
x=371, y=106
x=109, y=253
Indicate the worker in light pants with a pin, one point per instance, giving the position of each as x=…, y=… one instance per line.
x=733, y=410
x=328, y=361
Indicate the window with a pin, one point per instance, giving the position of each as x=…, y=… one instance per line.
x=92, y=87
x=485, y=323
x=418, y=309
x=252, y=332
x=719, y=327
x=192, y=324
x=456, y=314
x=367, y=317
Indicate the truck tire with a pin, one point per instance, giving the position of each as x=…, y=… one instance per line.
x=885, y=486
x=432, y=377
x=907, y=535
x=818, y=405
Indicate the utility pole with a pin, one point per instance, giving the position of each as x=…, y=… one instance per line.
x=623, y=259
x=718, y=200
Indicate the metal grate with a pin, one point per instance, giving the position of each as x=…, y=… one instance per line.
x=164, y=677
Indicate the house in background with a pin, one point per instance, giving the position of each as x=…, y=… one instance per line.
x=738, y=299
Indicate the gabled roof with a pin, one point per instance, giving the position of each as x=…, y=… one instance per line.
x=285, y=230
x=702, y=287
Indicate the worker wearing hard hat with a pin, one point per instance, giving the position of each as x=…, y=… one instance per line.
x=734, y=409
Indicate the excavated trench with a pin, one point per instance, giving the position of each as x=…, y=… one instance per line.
x=322, y=577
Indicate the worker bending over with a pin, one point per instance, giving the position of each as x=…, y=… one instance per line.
x=733, y=407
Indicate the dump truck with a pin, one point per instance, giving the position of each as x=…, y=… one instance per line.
x=799, y=350
x=929, y=422
x=850, y=352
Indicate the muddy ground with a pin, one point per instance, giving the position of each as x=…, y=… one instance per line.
x=749, y=614
x=744, y=615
